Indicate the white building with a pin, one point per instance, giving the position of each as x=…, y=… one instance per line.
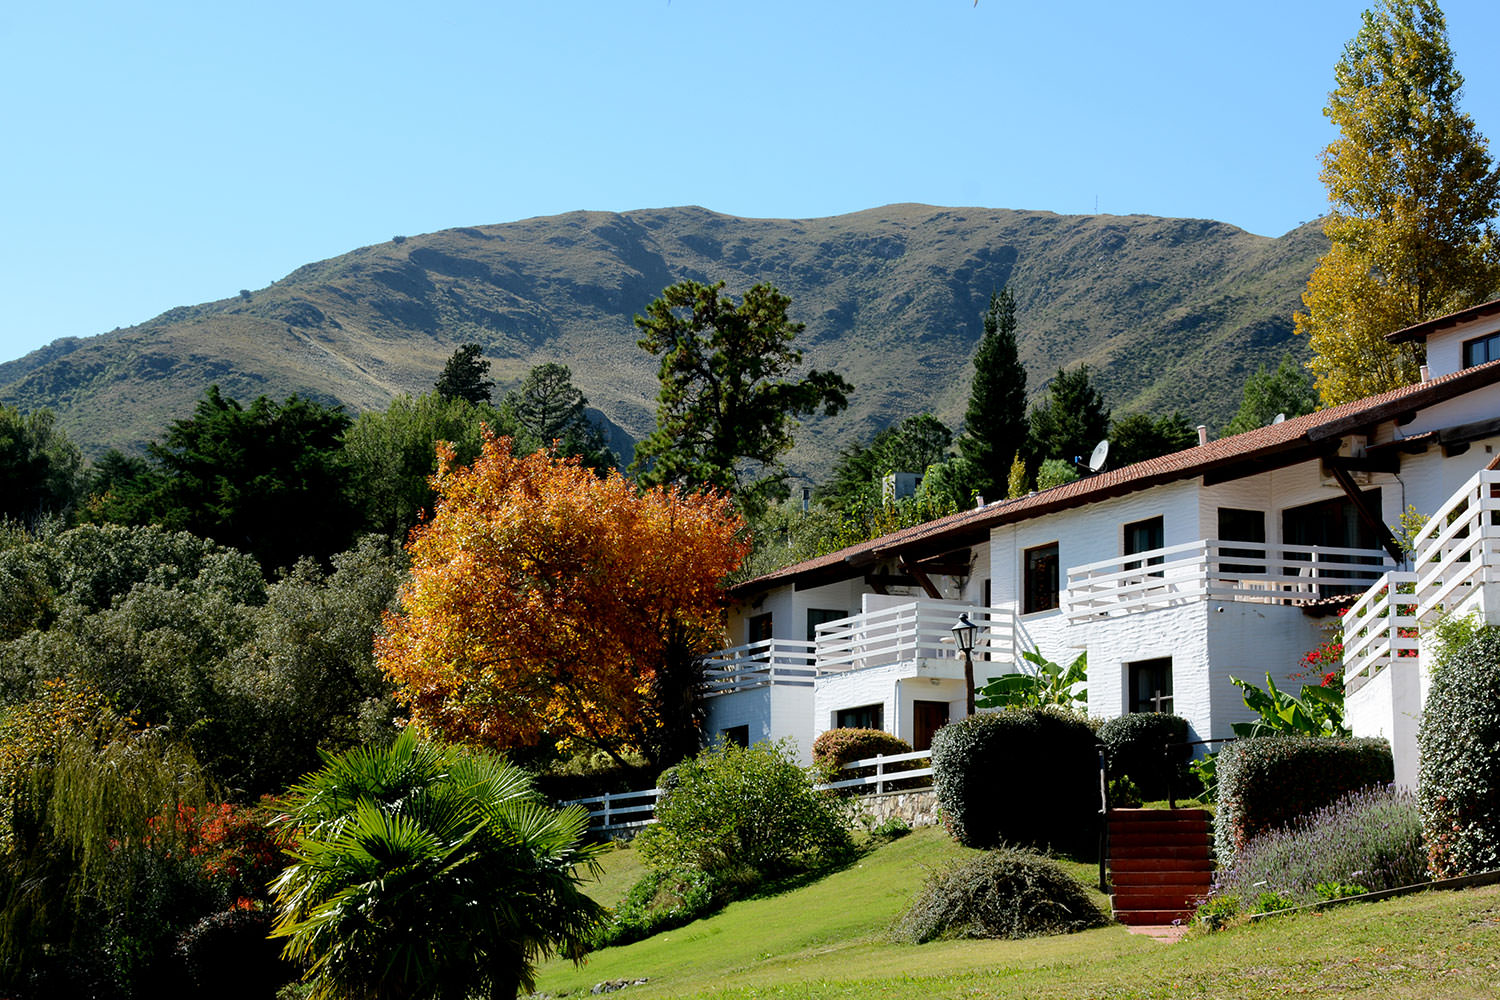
x=1226, y=559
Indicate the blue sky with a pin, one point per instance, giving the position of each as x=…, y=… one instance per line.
x=164, y=154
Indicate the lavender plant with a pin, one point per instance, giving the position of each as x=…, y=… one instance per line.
x=1371, y=838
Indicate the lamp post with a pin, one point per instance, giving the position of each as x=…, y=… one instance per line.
x=963, y=634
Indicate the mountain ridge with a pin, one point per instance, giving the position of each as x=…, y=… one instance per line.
x=1170, y=313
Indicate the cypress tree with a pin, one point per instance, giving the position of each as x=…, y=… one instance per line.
x=995, y=421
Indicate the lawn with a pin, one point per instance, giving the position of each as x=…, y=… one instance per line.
x=826, y=940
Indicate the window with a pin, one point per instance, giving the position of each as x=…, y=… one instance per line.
x=1144, y=536
x=737, y=735
x=863, y=717
x=1242, y=526
x=821, y=616
x=1040, y=593
x=1333, y=523
x=1477, y=352
x=1151, y=685
x=758, y=628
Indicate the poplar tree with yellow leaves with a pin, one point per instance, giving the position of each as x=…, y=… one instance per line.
x=1413, y=192
x=549, y=607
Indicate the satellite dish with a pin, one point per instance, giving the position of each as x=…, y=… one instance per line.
x=1101, y=452
x=1277, y=419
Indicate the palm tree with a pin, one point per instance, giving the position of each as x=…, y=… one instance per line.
x=429, y=871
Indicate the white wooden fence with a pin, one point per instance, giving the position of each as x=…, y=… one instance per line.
x=621, y=811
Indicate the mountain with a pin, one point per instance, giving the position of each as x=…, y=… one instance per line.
x=1170, y=314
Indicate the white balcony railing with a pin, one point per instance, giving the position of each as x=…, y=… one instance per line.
x=918, y=630
x=1214, y=569
x=1380, y=628
x=1458, y=551
x=760, y=664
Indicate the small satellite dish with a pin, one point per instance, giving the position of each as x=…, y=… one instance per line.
x=1101, y=452
x=1277, y=419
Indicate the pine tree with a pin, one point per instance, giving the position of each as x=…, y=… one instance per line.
x=1413, y=192
x=464, y=376
x=1071, y=421
x=995, y=421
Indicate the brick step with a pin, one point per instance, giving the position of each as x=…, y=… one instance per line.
x=1148, y=918
x=1152, y=866
x=1194, y=827
x=1157, y=900
x=1181, y=876
x=1158, y=815
x=1186, y=852
x=1170, y=839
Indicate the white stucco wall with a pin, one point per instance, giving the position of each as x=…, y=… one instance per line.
x=1390, y=705
x=770, y=713
x=1445, y=348
x=894, y=688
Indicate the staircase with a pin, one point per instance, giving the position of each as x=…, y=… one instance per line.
x=1160, y=863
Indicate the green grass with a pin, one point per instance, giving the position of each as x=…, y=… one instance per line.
x=827, y=940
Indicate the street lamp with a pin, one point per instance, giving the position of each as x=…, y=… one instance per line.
x=963, y=634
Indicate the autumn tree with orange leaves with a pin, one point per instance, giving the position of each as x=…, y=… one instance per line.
x=549, y=606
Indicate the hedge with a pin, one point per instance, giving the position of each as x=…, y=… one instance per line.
x=1135, y=745
x=837, y=747
x=1021, y=776
x=1267, y=782
x=1458, y=785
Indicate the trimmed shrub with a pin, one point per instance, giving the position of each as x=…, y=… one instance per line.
x=238, y=940
x=1136, y=744
x=1021, y=776
x=1459, y=782
x=745, y=815
x=1367, y=840
x=1004, y=893
x=727, y=822
x=1267, y=782
x=837, y=747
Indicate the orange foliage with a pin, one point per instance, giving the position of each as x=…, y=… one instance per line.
x=542, y=600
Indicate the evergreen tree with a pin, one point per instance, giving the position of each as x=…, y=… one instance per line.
x=270, y=479
x=1414, y=195
x=727, y=407
x=910, y=446
x=39, y=466
x=1286, y=390
x=1140, y=436
x=1072, y=419
x=995, y=421
x=549, y=411
x=465, y=376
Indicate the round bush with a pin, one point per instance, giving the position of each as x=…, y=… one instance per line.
x=1004, y=893
x=745, y=815
x=1137, y=744
x=837, y=747
x=236, y=940
x=1458, y=785
x=1020, y=776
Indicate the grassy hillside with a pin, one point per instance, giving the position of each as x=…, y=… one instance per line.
x=1173, y=313
x=826, y=940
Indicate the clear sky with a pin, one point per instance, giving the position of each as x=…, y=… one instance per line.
x=160, y=154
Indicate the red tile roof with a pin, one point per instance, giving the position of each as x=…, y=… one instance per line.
x=1276, y=445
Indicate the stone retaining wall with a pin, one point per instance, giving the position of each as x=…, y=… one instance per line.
x=917, y=808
